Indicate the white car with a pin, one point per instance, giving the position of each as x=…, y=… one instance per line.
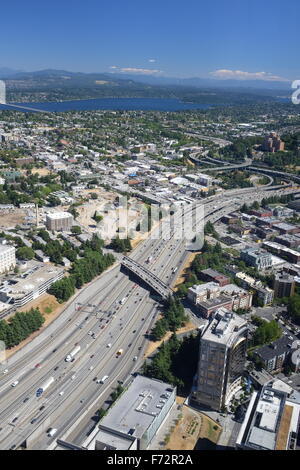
x=5, y=371
x=61, y=393
x=109, y=345
x=73, y=377
x=14, y=384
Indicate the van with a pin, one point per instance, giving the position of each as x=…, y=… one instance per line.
x=51, y=432
x=14, y=384
x=103, y=379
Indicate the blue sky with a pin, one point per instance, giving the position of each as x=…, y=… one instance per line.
x=183, y=38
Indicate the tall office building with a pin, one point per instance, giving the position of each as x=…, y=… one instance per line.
x=284, y=285
x=221, y=360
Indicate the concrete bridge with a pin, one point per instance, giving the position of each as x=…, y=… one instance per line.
x=147, y=276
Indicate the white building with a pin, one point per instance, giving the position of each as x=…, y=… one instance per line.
x=7, y=258
x=59, y=221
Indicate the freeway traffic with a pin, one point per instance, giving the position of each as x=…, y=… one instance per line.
x=102, y=320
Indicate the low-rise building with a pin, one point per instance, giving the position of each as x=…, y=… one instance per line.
x=271, y=421
x=29, y=285
x=257, y=258
x=275, y=355
x=210, y=275
x=135, y=418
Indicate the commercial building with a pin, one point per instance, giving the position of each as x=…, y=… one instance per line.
x=290, y=241
x=273, y=143
x=59, y=221
x=7, y=258
x=257, y=258
x=221, y=360
x=210, y=275
x=211, y=296
x=204, y=180
x=284, y=285
x=24, y=288
x=135, y=418
x=271, y=421
x=290, y=255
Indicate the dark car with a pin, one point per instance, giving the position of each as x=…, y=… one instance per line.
x=26, y=399
x=41, y=408
x=15, y=419
x=33, y=420
x=55, y=368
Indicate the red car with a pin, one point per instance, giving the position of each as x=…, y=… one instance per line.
x=37, y=365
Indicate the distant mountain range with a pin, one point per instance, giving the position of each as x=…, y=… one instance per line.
x=120, y=78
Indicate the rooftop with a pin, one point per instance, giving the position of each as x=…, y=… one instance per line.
x=224, y=327
x=137, y=408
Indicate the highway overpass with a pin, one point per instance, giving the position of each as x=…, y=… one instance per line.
x=147, y=276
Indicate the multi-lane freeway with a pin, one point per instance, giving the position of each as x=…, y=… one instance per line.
x=111, y=314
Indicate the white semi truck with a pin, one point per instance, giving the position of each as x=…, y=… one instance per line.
x=72, y=354
x=44, y=387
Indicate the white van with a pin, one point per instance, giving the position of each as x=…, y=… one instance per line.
x=103, y=379
x=51, y=432
x=14, y=384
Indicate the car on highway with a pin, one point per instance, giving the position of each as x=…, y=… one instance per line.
x=42, y=408
x=25, y=399
x=135, y=358
x=73, y=377
x=51, y=432
x=108, y=345
x=15, y=419
x=92, y=356
x=129, y=345
x=61, y=393
x=55, y=368
x=14, y=384
x=37, y=365
x=33, y=420
x=5, y=371
x=134, y=331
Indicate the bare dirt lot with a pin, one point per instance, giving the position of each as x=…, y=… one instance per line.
x=12, y=219
x=193, y=428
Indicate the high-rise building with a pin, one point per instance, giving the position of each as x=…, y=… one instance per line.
x=59, y=221
x=7, y=258
x=284, y=285
x=221, y=360
x=273, y=143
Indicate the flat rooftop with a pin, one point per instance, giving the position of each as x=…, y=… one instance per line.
x=35, y=275
x=138, y=407
x=59, y=215
x=224, y=327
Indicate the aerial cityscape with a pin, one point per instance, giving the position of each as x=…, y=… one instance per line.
x=150, y=230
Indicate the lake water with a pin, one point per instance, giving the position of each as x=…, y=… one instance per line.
x=113, y=104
